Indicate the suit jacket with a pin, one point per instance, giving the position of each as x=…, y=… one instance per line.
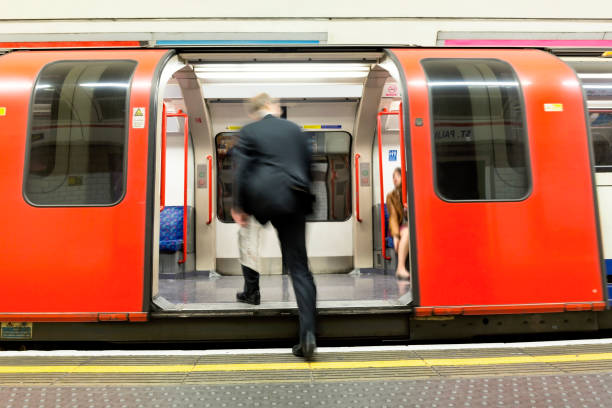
x=272, y=176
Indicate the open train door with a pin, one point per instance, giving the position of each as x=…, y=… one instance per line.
x=81, y=209
x=502, y=205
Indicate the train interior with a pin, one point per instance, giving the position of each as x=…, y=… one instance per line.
x=336, y=99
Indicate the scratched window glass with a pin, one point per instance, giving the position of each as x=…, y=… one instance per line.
x=479, y=136
x=331, y=173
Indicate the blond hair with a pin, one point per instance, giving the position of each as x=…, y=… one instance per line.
x=258, y=102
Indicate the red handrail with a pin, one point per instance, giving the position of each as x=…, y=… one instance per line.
x=333, y=190
x=162, y=188
x=382, y=192
x=210, y=189
x=357, y=156
x=400, y=114
x=403, y=154
x=180, y=113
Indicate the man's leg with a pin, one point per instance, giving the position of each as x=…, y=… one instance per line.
x=292, y=235
x=251, y=279
x=402, y=253
x=248, y=244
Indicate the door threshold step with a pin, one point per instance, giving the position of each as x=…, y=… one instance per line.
x=325, y=307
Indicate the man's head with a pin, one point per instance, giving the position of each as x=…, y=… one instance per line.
x=261, y=105
x=397, y=177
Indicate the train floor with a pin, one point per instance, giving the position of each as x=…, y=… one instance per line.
x=544, y=374
x=366, y=289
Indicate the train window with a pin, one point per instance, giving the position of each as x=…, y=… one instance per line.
x=330, y=170
x=596, y=79
x=479, y=136
x=78, y=132
x=601, y=133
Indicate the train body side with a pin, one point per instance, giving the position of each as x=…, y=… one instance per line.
x=537, y=253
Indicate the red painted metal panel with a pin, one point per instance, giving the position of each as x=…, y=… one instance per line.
x=509, y=309
x=71, y=261
x=48, y=317
x=70, y=44
x=542, y=250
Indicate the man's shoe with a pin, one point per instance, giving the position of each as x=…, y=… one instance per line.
x=252, y=298
x=297, y=350
x=309, y=345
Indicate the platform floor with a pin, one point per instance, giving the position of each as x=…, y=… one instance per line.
x=563, y=391
x=366, y=289
x=552, y=374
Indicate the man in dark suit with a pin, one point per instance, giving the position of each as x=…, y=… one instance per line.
x=272, y=183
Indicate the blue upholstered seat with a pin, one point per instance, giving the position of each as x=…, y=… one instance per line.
x=388, y=237
x=171, y=229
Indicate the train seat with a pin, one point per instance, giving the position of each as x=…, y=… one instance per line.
x=171, y=229
x=388, y=237
x=171, y=241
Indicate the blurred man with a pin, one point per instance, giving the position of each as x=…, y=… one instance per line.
x=273, y=184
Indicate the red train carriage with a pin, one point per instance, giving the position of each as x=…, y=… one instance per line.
x=499, y=188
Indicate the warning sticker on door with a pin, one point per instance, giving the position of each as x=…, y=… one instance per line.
x=553, y=107
x=138, y=118
x=2, y=111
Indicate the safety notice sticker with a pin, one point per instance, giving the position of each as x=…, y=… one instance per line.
x=138, y=118
x=553, y=107
x=2, y=111
x=16, y=330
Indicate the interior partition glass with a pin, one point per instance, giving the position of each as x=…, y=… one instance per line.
x=331, y=173
x=78, y=133
x=479, y=136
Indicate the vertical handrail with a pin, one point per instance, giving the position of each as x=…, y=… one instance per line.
x=333, y=190
x=382, y=192
x=400, y=114
x=162, y=188
x=210, y=189
x=357, y=156
x=403, y=154
x=180, y=113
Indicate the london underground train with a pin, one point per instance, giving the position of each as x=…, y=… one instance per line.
x=117, y=173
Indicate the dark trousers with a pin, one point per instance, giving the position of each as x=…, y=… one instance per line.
x=291, y=231
x=251, y=279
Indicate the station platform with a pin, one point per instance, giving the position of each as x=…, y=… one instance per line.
x=545, y=374
x=366, y=290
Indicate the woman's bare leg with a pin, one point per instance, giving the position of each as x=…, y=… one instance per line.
x=402, y=254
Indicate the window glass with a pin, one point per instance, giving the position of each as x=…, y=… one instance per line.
x=478, y=130
x=78, y=132
x=601, y=133
x=331, y=174
x=596, y=80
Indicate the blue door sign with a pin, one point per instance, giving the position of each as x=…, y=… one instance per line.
x=393, y=155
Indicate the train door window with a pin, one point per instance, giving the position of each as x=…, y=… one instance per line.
x=331, y=176
x=601, y=133
x=78, y=131
x=330, y=169
x=479, y=136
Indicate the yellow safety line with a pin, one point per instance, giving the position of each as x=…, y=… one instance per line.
x=331, y=365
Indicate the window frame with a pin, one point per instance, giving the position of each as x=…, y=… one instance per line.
x=28, y=147
x=526, y=148
x=350, y=171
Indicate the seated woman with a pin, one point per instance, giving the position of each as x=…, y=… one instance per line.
x=398, y=225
